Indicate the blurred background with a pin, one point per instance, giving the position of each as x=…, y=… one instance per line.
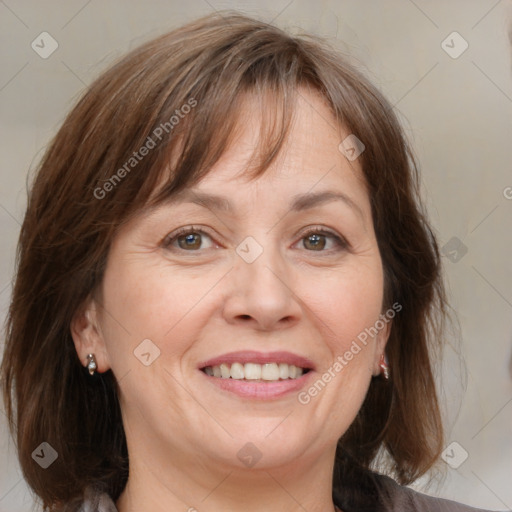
x=447, y=69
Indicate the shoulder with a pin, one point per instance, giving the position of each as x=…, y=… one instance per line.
x=396, y=497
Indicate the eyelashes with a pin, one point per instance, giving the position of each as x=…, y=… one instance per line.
x=190, y=239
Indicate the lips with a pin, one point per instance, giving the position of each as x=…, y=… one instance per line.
x=270, y=386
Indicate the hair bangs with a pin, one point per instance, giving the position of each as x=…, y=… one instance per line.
x=217, y=123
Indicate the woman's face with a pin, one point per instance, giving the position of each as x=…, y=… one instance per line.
x=250, y=283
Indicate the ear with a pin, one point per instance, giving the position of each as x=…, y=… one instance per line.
x=87, y=335
x=380, y=346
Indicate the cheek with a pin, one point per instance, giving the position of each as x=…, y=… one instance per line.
x=148, y=301
x=347, y=302
x=345, y=307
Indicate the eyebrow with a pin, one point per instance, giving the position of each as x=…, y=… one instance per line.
x=300, y=202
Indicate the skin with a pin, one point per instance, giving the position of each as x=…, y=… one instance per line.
x=183, y=432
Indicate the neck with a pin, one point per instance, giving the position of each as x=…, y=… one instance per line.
x=161, y=483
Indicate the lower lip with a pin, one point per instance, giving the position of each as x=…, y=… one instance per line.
x=260, y=390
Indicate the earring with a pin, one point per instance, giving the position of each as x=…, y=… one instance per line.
x=91, y=364
x=384, y=364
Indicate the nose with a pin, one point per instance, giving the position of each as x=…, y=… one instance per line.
x=261, y=293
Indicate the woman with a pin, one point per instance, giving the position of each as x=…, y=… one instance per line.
x=227, y=295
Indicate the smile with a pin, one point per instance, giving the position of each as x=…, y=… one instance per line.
x=269, y=372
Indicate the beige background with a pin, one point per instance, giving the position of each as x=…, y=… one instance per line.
x=457, y=112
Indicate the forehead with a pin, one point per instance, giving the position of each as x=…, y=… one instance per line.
x=309, y=171
x=311, y=154
x=308, y=160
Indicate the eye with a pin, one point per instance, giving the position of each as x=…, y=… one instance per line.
x=188, y=238
x=316, y=240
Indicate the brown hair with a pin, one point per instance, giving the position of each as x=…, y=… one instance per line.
x=81, y=195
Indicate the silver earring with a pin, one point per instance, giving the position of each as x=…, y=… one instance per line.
x=91, y=364
x=384, y=365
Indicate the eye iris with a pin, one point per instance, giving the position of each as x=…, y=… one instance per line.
x=316, y=240
x=190, y=238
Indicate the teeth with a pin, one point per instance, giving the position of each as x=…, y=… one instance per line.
x=255, y=371
x=252, y=371
x=224, y=371
x=237, y=371
x=270, y=371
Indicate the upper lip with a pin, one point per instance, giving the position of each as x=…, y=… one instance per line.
x=252, y=356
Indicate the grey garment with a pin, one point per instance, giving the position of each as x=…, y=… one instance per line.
x=397, y=498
